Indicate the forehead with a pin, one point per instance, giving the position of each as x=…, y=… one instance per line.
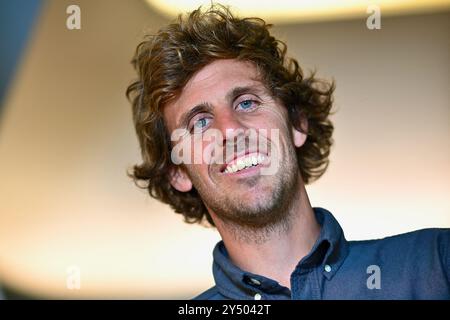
x=211, y=84
x=225, y=70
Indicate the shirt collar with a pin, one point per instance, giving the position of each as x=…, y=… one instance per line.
x=331, y=248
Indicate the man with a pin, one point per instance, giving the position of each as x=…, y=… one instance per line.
x=211, y=74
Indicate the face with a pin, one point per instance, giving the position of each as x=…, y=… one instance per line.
x=251, y=134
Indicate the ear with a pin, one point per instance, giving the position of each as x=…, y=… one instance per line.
x=179, y=179
x=299, y=136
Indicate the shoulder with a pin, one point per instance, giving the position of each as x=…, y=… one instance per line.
x=418, y=248
x=210, y=294
x=433, y=238
x=412, y=265
x=435, y=234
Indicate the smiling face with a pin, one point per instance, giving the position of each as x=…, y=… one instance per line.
x=226, y=98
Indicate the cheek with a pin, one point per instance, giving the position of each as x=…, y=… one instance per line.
x=277, y=124
x=194, y=172
x=271, y=117
x=199, y=149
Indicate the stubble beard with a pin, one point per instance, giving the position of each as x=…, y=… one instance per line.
x=268, y=216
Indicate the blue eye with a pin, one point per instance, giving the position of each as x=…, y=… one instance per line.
x=246, y=104
x=201, y=123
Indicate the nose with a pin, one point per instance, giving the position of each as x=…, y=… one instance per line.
x=228, y=123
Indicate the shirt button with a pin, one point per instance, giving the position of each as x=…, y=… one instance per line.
x=327, y=268
x=257, y=296
x=255, y=282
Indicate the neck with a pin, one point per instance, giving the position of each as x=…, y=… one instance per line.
x=277, y=256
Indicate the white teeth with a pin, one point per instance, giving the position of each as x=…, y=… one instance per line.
x=260, y=158
x=240, y=164
x=245, y=163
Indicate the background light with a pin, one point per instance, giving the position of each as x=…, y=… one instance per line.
x=289, y=11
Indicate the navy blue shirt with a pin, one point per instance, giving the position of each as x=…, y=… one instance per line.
x=414, y=265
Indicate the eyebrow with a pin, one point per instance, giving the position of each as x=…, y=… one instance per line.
x=238, y=91
x=185, y=117
x=207, y=107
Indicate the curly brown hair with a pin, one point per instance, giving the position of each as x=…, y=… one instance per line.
x=166, y=61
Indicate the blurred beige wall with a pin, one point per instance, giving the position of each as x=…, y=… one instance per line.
x=66, y=140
